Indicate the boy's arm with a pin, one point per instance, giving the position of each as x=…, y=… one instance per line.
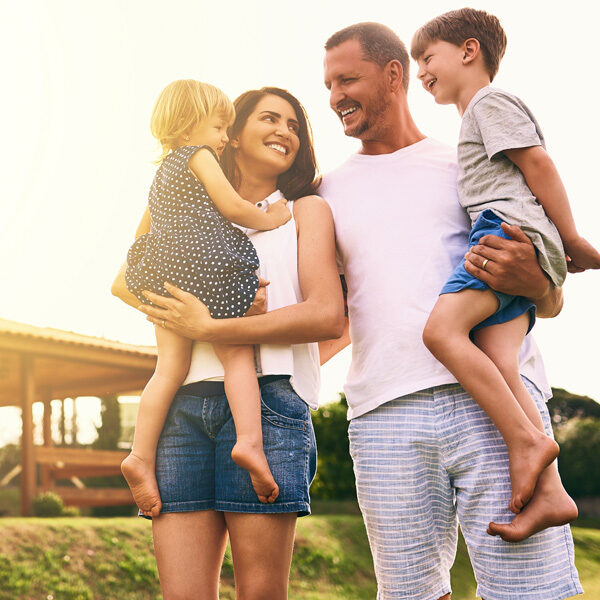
x=230, y=204
x=546, y=185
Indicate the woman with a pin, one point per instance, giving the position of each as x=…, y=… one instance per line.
x=205, y=495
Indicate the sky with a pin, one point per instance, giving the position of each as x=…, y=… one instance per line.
x=79, y=83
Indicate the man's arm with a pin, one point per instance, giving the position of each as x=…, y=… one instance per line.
x=329, y=348
x=512, y=268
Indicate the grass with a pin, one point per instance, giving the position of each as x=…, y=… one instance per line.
x=111, y=559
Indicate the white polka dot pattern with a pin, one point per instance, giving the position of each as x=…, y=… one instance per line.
x=192, y=245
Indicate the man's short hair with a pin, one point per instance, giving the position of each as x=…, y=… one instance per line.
x=378, y=43
x=456, y=27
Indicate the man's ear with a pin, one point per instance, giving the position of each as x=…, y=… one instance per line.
x=394, y=74
x=471, y=50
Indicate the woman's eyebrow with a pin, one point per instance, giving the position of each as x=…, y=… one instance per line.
x=278, y=116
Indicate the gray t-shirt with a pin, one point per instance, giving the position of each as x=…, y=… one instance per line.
x=493, y=122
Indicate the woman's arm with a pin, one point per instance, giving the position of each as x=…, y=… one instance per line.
x=119, y=287
x=230, y=204
x=320, y=316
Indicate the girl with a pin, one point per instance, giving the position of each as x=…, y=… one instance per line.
x=193, y=245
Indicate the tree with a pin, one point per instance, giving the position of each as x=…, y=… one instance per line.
x=335, y=476
x=109, y=433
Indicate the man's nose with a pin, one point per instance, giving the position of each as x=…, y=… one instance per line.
x=335, y=97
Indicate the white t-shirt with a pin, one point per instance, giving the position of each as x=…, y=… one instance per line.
x=277, y=251
x=400, y=232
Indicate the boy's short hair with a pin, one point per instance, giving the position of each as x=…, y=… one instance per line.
x=457, y=26
x=379, y=44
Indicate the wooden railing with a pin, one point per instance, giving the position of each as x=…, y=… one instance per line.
x=72, y=463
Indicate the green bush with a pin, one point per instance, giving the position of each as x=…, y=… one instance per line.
x=579, y=459
x=48, y=504
x=335, y=476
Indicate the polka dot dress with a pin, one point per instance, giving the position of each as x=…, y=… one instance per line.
x=191, y=244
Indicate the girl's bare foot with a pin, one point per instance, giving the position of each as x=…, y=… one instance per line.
x=526, y=463
x=140, y=476
x=543, y=511
x=251, y=457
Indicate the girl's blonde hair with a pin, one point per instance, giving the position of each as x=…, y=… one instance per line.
x=182, y=105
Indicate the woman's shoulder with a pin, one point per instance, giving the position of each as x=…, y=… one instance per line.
x=312, y=202
x=311, y=210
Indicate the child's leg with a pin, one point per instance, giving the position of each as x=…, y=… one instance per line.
x=138, y=468
x=550, y=505
x=243, y=395
x=446, y=335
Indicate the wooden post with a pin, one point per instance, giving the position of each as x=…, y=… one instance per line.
x=28, y=474
x=62, y=421
x=47, y=480
x=74, y=423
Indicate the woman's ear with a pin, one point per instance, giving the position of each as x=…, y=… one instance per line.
x=234, y=142
x=471, y=50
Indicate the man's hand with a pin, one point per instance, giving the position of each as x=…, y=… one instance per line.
x=508, y=266
x=259, y=305
x=184, y=314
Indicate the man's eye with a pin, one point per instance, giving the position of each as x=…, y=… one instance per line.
x=348, y=79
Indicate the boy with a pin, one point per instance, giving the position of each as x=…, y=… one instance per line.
x=505, y=175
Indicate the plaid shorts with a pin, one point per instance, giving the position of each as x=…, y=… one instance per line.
x=425, y=462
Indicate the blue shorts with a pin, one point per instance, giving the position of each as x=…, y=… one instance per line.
x=194, y=468
x=509, y=307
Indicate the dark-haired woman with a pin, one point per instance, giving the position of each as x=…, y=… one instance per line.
x=205, y=495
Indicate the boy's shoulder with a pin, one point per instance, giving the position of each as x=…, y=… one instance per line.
x=493, y=95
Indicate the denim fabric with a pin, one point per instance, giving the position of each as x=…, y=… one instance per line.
x=194, y=468
x=509, y=307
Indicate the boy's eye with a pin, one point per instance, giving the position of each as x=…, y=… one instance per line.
x=426, y=59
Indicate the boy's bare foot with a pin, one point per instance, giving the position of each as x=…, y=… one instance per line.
x=140, y=476
x=526, y=463
x=543, y=511
x=252, y=458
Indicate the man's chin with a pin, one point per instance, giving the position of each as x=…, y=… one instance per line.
x=357, y=131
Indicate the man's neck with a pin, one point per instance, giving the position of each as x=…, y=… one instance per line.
x=398, y=132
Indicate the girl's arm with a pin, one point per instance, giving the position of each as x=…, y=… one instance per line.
x=119, y=287
x=230, y=204
x=320, y=316
x=546, y=185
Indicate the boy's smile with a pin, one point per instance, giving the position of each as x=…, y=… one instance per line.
x=440, y=71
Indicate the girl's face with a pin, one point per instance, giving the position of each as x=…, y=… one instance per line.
x=210, y=132
x=270, y=136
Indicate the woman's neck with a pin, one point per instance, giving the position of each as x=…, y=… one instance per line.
x=255, y=189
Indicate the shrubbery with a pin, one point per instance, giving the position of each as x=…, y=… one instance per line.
x=49, y=504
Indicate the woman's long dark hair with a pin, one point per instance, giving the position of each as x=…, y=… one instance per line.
x=299, y=180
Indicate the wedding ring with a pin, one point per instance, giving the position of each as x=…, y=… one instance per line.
x=485, y=262
x=163, y=324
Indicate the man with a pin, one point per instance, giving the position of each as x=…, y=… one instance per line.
x=424, y=454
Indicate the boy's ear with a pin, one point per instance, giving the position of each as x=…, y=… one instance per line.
x=471, y=49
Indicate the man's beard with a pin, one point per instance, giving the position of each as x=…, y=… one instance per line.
x=372, y=120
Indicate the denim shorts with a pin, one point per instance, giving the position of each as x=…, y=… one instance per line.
x=509, y=307
x=194, y=468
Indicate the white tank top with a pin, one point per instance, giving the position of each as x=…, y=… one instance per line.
x=278, y=254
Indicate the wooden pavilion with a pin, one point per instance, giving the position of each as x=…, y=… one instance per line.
x=39, y=364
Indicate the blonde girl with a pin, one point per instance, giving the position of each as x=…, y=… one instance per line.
x=194, y=245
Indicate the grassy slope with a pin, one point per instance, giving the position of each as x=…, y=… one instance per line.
x=111, y=559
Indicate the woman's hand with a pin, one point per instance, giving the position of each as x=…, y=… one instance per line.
x=511, y=266
x=184, y=314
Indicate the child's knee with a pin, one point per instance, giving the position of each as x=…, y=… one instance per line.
x=435, y=336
